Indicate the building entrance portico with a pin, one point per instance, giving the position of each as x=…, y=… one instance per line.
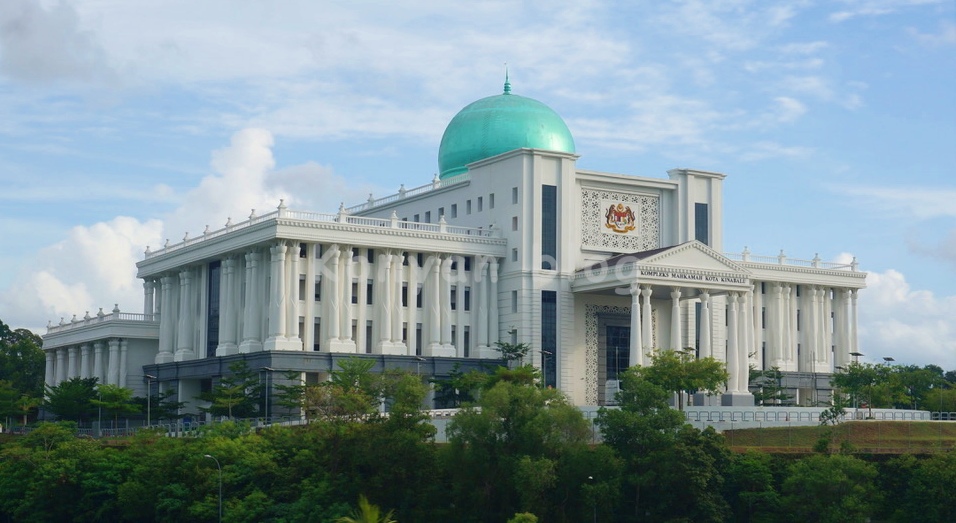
x=686, y=296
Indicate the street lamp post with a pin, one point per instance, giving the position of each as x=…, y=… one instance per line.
x=218, y=466
x=149, y=397
x=418, y=366
x=593, y=499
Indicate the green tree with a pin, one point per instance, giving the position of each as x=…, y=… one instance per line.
x=115, y=400
x=504, y=451
x=928, y=493
x=681, y=371
x=353, y=393
x=671, y=471
x=941, y=399
x=768, y=383
x=26, y=405
x=512, y=352
x=290, y=393
x=750, y=488
x=161, y=406
x=867, y=385
x=8, y=400
x=366, y=512
x=830, y=489
x=913, y=383
x=237, y=393
x=72, y=399
x=21, y=360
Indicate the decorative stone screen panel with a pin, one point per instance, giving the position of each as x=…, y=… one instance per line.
x=620, y=222
x=592, y=341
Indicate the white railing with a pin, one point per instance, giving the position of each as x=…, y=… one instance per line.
x=407, y=193
x=783, y=259
x=101, y=317
x=343, y=217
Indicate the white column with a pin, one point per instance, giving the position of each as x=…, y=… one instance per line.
x=61, y=365
x=824, y=329
x=459, y=319
x=49, y=376
x=412, y=303
x=341, y=287
x=398, y=261
x=277, y=290
x=706, y=317
x=493, y=319
x=675, y=319
x=123, y=354
x=854, y=323
x=308, y=301
x=385, y=304
x=819, y=343
x=113, y=376
x=99, y=370
x=348, y=276
x=750, y=349
x=636, y=353
x=251, y=330
x=839, y=323
x=85, y=360
x=72, y=370
x=743, y=361
x=433, y=303
x=166, y=324
x=445, y=281
x=184, y=339
x=647, y=329
x=775, y=326
x=227, y=309
x=757, y=337
x=792, y=331
x=292, y=299
x=480, y=289
x=331, y=287
x=733, y=354
x=148, y=300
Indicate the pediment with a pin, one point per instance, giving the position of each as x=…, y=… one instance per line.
x=692, y=255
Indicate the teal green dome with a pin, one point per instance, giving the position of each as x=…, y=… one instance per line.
x=498, y=124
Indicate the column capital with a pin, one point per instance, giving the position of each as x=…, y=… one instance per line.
x=675, y=293
x=646, y=291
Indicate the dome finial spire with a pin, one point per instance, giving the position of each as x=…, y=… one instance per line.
x=507, y=83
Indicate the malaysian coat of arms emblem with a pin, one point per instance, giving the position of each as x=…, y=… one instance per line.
x=620, y=218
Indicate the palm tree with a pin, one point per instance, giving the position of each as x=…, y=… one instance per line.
x=367, y=513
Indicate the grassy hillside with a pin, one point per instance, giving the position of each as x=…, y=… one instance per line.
x=874, y=437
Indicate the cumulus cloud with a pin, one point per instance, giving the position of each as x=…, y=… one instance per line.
x=245, y=178
x=43, y=44
x=912, y=326
x=95, y=265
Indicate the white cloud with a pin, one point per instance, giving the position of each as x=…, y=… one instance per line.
x=95, y=266
x=92, y=267
x=39, y=44
x=789, y=109
x=912, y=326
x=945, y=36
x=917, y=202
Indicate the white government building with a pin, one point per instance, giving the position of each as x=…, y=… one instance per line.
x=511, y=242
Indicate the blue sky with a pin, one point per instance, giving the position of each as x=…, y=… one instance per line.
x=125, y=123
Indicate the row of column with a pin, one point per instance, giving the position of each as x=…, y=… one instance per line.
x=816, y=336
x=259, y=306
x=103, y=359
x=801, y=332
